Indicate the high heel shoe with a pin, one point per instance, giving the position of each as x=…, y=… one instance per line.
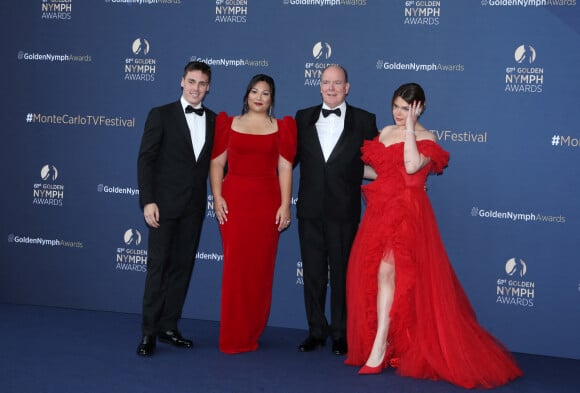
x=368, y=370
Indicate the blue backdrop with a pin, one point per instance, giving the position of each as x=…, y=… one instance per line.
x=502, y=85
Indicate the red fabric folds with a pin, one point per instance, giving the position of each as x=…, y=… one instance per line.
x=433, y=332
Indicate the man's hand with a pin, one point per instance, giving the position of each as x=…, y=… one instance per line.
x=151, y=214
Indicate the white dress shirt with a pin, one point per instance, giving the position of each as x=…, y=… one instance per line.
x=196, y=124
x=329, y=129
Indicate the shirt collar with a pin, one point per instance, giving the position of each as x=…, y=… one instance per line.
x=341, y=106
x=185, y=104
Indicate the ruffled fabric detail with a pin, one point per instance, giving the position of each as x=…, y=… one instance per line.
x=433, y=333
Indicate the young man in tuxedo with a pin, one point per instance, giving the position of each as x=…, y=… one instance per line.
x=173, y=166
x=330, y=136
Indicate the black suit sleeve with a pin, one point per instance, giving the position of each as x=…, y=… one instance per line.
x=371, y=131
x=298, y=118
x=148, y=153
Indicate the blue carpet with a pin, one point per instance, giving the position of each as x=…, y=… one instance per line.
x=54, y=350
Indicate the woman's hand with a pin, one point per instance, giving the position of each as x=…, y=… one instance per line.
x=283, y=218
x=220, y=208
x=413, y=114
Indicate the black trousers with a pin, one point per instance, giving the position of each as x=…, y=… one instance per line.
x=170, y=259
x=325, y=247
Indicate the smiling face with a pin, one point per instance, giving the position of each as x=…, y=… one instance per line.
x=195, y=85
x=259, y=97
x=333, y=86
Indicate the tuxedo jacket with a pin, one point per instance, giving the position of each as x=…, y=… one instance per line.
x=168, y=172
x=331, y=189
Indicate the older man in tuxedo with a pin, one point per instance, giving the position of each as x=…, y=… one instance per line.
x=173, y=166
x=330, y=136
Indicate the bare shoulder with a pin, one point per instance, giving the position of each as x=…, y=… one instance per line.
x=425, y=135
x=388, y=135
x=239, y=123
x=387, y=130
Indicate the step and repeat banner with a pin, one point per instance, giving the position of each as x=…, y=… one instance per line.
x=502, y=85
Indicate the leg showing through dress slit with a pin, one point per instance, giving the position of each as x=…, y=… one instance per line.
x=385, y=295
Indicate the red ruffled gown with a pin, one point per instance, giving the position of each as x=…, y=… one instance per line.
x=433, y=332
x=250, y=236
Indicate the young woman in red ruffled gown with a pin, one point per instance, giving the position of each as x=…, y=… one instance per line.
x=252, y=205
x=405, y=305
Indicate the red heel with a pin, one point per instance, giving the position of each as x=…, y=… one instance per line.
x=367, y=370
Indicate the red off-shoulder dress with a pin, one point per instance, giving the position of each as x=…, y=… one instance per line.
x=433, y=331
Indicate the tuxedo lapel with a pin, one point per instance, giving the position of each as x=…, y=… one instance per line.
x=209, y=126
x=342, y=141
x=315, y=115
x=312, y=133
x=182, y=126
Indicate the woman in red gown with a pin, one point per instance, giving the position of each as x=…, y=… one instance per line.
x=252, y=206
x=405, y=305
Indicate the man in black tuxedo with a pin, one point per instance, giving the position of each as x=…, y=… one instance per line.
x=330, y=136
x=173, y=166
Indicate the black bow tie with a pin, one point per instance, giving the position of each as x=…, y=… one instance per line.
x=198, y=111
x=326, y=112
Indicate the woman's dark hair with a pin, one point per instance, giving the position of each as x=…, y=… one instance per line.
x=255, y=79
x=410, y=92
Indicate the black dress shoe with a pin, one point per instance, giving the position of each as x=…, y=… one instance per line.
x=339, y=346
x=146, y=346
x=175, y=338
x=311, y=343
